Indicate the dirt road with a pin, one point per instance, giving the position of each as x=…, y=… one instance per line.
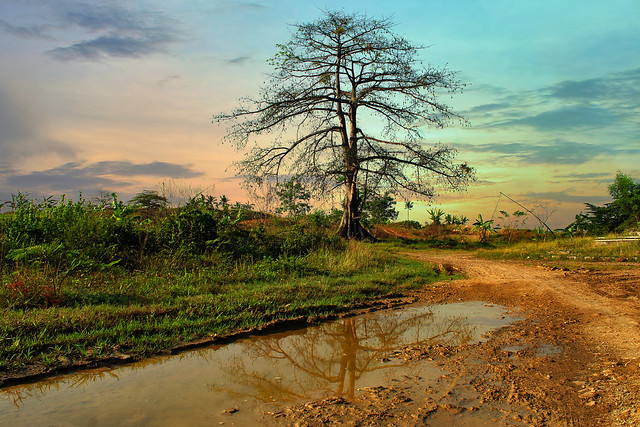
x=572, y=359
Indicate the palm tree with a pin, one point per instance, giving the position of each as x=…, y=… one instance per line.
x=408, y=206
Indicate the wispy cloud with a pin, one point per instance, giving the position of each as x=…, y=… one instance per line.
x=62, y=178
x=484, y=108
x=101, y=29
x=570, y=105
x=227, y=5
x=593, y=175
x=76, y=175
x=561, y=196
x=169, y=79
x=550, y=152
x=111, y=45
x=33, y=31
x=569, y=118
x=615, y=86
x=160, y=169
x=239, y=60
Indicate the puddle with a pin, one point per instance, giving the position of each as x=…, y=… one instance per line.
x=230, y=384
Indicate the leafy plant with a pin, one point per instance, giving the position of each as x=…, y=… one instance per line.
x=120, y=210
x=193, y=228
x=148, y=199
x=380, y=209
x=54, y=261
x=518, y=218
x=294, y=197
x=435, y=215
x=483, y=228
x=455, y=220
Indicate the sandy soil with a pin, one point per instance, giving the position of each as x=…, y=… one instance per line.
x=573, y=358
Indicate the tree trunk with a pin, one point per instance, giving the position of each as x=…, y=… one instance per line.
x=350, y=227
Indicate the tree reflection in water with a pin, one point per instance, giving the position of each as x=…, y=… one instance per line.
x=17, y=394
x=331, y=358
x=78, y=379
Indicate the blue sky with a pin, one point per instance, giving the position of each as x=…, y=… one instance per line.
x=118, y=95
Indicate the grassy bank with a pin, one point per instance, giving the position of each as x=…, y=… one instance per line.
x=143, y=312
x=82, y=282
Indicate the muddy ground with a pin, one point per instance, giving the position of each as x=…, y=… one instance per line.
x=572, y=359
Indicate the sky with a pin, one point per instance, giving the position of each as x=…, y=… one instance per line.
x=117, y=96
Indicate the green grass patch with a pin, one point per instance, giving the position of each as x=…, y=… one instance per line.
x=574, y=249
x=145, y=311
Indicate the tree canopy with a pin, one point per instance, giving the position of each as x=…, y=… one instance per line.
x=294, y=197
x=380, y=209
x=346, y=107
x=149, y=199
x=621, y=214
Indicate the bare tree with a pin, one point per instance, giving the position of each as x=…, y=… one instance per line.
x=332, y=78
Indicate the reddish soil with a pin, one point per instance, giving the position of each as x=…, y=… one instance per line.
x=572, y=360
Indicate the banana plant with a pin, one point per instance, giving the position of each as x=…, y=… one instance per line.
x=436, y=214
x=120, y=210
x=484, y=228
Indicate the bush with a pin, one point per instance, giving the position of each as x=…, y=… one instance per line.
x=193, y=229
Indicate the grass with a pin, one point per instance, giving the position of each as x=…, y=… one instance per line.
x=574, y=248
x=146, y=311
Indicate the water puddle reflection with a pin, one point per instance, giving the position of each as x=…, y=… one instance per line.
x=230, y=383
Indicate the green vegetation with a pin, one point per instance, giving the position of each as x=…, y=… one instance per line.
x=83, y=281
x=620, y=215
x=435, y=215
x=149, y=199
x=294, y=197
x=576, y=248
x=379, y=209
x=484, y=228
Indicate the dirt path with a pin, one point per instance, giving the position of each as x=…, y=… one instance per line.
x=609, y=316
x=573, y=359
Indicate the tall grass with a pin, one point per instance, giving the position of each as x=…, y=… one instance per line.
x=45, y=246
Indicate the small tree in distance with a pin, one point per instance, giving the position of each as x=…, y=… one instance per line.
x=435, y=215
x=333, y=79
x=148, y=199
x=381, y=209
x=294, y=198
x=408, y=205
